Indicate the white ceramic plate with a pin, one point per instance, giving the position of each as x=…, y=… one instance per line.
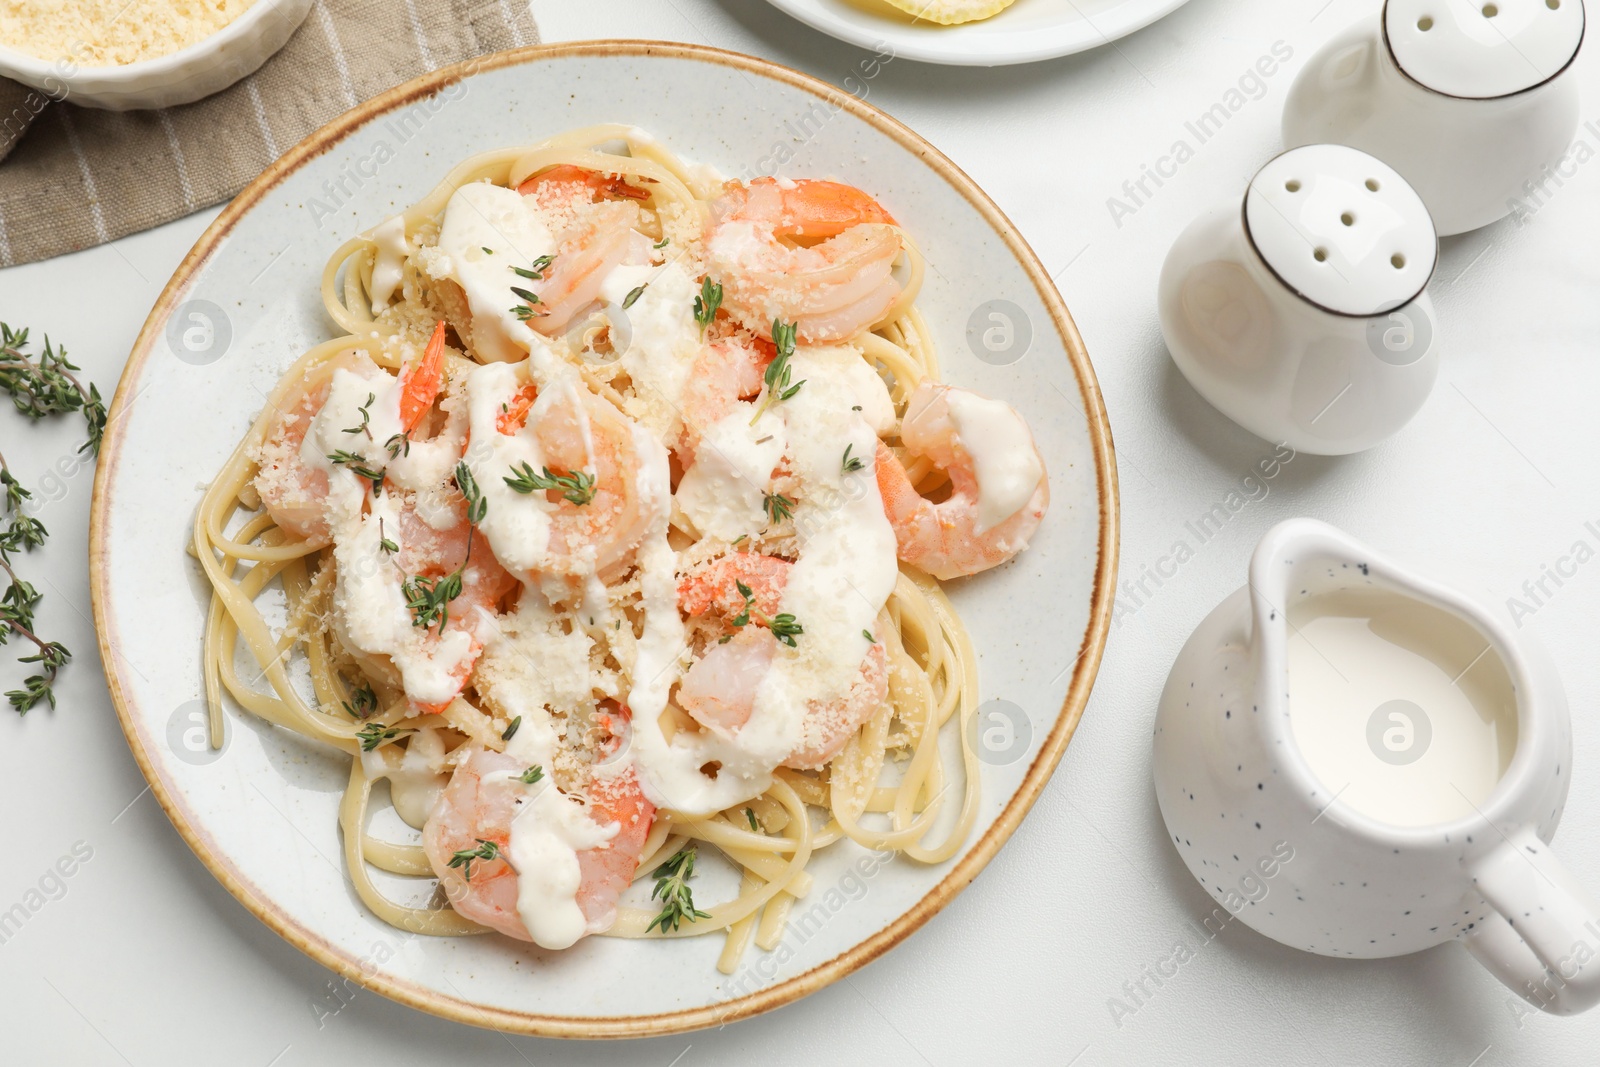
x=1027, y=31
x=261, y=815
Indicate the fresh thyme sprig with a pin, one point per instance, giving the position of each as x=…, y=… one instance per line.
x=783, y=626
x=48, y=386
x=429, y=598
x=672, y=889
x=376, y=733
x=357, y=465
x=362, y=702
x=535, y=270
x=38, y=388
x=706, y=304
x=852, y=463
x=486, y=850
x=511, y=729
x=777, y=506
x=398, y=444
x=743, y=617
x=633, y=294
x=531, y=775
x=577, y=487
x=477, y=507
x=778, y=371
x=20, y=600
x=366, y=417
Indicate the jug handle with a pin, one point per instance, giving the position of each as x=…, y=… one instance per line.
x=1545, y=942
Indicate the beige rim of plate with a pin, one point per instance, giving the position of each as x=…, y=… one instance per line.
x=960, y=875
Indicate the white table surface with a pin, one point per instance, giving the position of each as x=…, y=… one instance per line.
x=145, y=959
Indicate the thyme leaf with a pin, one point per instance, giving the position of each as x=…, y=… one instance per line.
x=779, y=371
x=777, y=506
x=376, y=733
x=366, y=417
x=486, y=851
x=362, y=703
x=707, y=303
x=672, y=889
x=577, y=487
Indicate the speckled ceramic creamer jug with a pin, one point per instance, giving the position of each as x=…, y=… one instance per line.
x=1245, y=808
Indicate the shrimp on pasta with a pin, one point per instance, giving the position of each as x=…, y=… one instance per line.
x=610, y=534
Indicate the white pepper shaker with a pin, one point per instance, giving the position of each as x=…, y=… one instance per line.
x=1471, y=100
x=1301, y=314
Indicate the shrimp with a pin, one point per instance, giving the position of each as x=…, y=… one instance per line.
x=716, y=585
x=433, y=555
x=579, y=432
x=481, y=802
x=577, y=181
x=830, y=290
x=723, y=373
x=602, y=237
x=948, y=539
x=419, y=385
x=295, y=494
x=719, y=689
x=421, y=538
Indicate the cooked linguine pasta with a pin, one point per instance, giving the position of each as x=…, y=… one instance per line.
x=610, y=534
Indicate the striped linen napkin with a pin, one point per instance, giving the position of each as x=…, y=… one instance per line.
x=78, y=176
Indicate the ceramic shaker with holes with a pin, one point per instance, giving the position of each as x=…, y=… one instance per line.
x=1301, y=313
x=1472, y=100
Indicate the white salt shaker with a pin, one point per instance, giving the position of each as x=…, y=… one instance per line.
x=1470, y=99
x=1303, y=316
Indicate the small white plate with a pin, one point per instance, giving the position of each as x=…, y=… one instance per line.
x=1025, y=32
x=261, y=814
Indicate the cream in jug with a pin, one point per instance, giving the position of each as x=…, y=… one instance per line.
x=1400, y=709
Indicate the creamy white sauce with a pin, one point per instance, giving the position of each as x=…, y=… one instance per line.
x=390, y=237
x=722, y=493
x=1004, y=459
x=846, y=570
x=416, y=774
x=658, y=341
x=482, y=216
x=546, y=836
x=368, y=601
x=517, y=524
x=532, y=665
x=858, y=377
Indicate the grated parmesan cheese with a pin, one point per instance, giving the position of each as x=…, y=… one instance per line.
x=111, y=33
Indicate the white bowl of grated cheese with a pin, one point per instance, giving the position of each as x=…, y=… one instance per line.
x=159, y=53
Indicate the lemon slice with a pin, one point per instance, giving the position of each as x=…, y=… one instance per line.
x=952, y=12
